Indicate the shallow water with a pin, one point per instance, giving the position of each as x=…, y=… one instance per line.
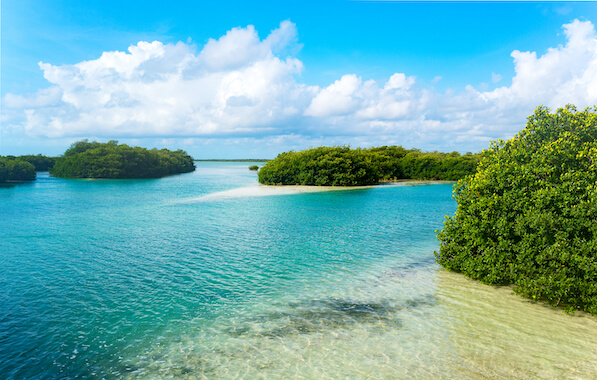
x=206, y=275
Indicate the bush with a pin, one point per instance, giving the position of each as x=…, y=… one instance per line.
x=527, y=217
x=110, y=160
x=342, y=166
x=324, y=166
x=15, y=169
x=41, y=163
x=253, y=167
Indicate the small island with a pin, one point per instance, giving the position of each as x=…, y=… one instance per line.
x=343, y=166
x=16, y=169
x=86, y=159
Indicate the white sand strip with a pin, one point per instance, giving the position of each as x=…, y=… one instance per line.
x=266, y=191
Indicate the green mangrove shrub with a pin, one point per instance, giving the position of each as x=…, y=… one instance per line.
x=86, y=159
x=343, y=166
x=15, y=169
x=40, y=162
x=528, y=216
x=323, y=166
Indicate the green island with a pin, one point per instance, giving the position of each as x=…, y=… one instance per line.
x=86, y=159
x=16, y=169
x=528, y=216
x=24, y=168
x=343, y=166
x=40, y=162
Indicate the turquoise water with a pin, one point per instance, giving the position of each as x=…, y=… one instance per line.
x=207, y=275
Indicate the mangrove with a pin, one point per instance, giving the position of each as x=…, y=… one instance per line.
x=527, y=217
x=343, y=166
x=86, y=159
x=16, y=169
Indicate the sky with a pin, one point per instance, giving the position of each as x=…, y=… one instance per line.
x=251, y=79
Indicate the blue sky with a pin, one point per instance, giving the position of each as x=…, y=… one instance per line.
x=452, y=66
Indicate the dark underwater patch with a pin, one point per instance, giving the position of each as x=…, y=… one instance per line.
x=320, y=315
x=405, y=269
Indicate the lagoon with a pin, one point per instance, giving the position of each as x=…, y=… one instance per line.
x=208, y=275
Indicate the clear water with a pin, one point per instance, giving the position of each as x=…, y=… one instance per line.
x=207, y=275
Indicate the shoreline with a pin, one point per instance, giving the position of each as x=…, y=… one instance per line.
x=260, y=190
x=399, y=182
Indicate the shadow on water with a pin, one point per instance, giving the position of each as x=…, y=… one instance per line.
x=13, y=184
x=409, y=268
x=325, y=315
x=251, y=341
x=198, y=367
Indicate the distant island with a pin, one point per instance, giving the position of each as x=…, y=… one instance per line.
x=86, y=159
x=343, y=166
x=15, y=169
x=23, y=168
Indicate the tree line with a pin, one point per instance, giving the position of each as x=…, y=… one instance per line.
x=24, y=168
x=344, y=166
x=86, y=159
x=16, y=169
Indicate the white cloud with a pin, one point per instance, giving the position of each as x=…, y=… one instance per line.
x=364, y=100
x=234, y=85
x=240, y=46
x=239, y=87
x=43, y=98
x=339, y=98
x=566, y=74
x=399, y=81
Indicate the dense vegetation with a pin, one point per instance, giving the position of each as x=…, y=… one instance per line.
x=39, y=162
x=16, y=169
x=253, y=167
x=528, y=217
x=86, y=159
x=343, y=166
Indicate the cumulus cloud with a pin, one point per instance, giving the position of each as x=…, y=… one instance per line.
x=566, y=74
x=339, y=98
x=43, y=98
x=365, y=100
x=563, y=75
x=240, y=86
x=236, y=84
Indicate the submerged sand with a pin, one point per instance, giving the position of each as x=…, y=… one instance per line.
x=269, y=190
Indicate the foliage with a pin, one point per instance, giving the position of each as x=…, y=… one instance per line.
x=331, y=166
x=253, y=167
x=342, y=166
x=395, y=162
x=527, y=217
x=86, y=159
x=41, y=163
x=15, y=169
